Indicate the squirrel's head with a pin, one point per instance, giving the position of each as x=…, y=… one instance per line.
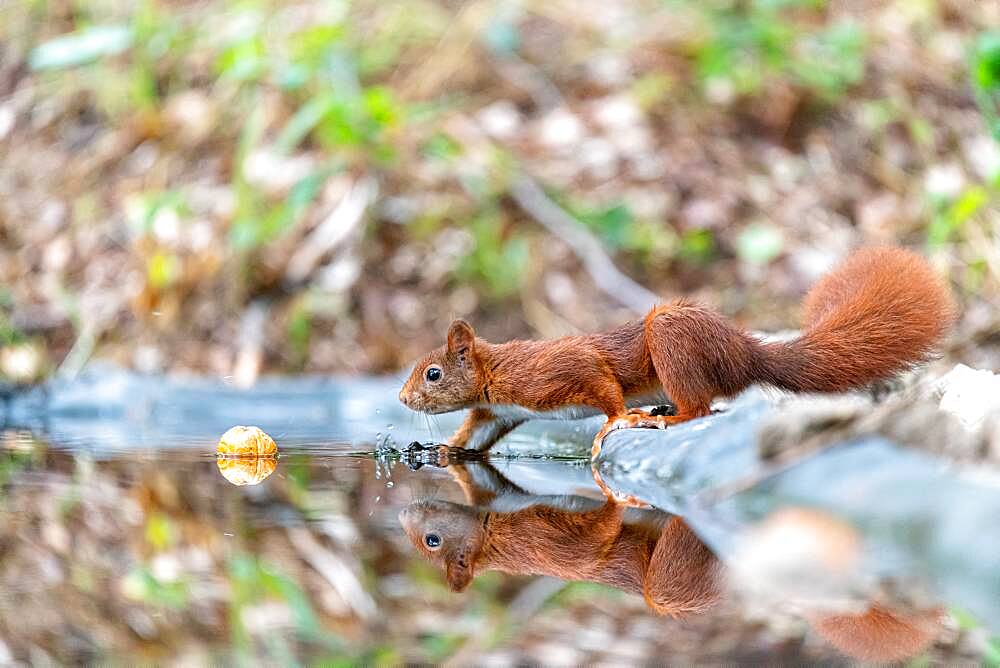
x=448, y=378
x=448, y=534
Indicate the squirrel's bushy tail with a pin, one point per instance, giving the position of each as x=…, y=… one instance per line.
x=880, y=312
x=880, y=635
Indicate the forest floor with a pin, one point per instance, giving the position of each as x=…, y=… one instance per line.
x=229, y=189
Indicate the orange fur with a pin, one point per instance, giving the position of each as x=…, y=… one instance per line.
x=673, y=570
x=665, y=562
x=880, y=312
x=880, y=635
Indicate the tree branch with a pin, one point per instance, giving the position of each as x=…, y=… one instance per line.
x=533, y=200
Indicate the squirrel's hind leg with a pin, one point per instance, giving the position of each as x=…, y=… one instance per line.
x=683, y=576
x=634, y=419
x=697, y=355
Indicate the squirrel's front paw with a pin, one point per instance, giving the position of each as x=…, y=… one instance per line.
x=439, y=455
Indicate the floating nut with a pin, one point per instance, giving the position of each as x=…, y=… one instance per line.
x=246, y=470
x=246, y=442
x=246, y=455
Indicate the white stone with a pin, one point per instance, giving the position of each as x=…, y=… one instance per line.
x=969, y=394
x=274, y=172
x=167, y=226
x=600, y=157
x=500, y=119
x=944, y=181
x=200, y=234
x=166, y=567
x=617, y=112
x=340, y=275
x=560, y=129
x=720, y=90
x=648, y=166
x=633, y=140
x=21, y=363
x=559, y=288
x=983, y=154
x=7, y=119
x=609, y=69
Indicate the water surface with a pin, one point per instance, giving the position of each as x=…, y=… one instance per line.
x=122, y=541
x=153, y=555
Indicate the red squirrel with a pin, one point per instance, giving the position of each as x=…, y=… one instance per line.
x=571, y=537
x=880, y=312
x=650, y=553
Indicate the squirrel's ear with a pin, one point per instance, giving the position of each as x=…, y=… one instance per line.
x=458, y=572
x=461, y=337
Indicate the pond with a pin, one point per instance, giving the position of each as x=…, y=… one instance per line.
x=124, y=539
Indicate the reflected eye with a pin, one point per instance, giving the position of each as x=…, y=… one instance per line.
x=432, y=540
x=433, y=373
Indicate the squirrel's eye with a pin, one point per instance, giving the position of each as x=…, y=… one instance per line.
x=433, y=373
x=432, y=540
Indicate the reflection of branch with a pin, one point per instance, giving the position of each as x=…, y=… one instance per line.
x=529, y=78
x=332, y=231
x=246, y=368
x=530, y=197
x=333, y=569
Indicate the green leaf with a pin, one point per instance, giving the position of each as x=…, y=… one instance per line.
x=243, y=61
x=967, y=205
x=380, y=106
x=441, y=146
x=80, y=47
x=303, y=122
x=614, y=224
x=832, y=60
x=985, y=75
x=499, y=264
x=314, y=45
x=991, y=657
x=162, y=270
x=281, y=585
x=987, y=61
x=697, y=246
x=776, y=5
x=140, y=585
x=759, y=243
x=949, y=220
x=257, y=228
x=160, y=531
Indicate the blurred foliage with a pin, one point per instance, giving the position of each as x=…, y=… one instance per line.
x=253, y=581
x=156, y=557
x=685, y=135
x=9, y=334
x=498, y=260
x=749, y=43
x=968, y=622
x=141, y=585
x=986, y=78
x=200, y=144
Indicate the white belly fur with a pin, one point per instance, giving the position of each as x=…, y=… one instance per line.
x=515, y=413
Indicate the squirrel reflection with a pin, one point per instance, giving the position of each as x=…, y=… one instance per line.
x=647, y=552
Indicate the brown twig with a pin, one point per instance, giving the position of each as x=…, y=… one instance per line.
x=602, y=270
